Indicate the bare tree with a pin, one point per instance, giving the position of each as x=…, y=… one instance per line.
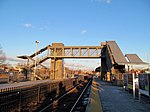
x=2, y=56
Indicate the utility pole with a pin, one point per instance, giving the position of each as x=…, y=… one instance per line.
x=36, y=42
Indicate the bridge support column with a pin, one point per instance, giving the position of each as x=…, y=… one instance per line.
x=57, y=63
x=57, y=69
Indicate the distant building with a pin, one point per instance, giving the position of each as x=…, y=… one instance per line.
x=4, y=77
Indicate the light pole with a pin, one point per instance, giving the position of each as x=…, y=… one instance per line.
x=36, y=42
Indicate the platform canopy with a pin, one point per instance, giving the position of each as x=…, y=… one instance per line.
x=134, y=59
x=116, y=52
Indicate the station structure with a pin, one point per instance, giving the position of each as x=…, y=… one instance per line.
x=113, y=61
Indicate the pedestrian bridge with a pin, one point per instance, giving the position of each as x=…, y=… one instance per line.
x=112, y=58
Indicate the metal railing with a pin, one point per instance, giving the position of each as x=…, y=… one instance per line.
x=16, y=98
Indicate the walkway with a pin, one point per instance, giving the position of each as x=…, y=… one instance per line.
x=115, y=99
x=23, y=84
x=94, y=104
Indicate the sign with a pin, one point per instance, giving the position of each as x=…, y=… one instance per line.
x=130, y=81
x=144, y=83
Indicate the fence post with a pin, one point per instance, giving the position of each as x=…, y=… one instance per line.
x=133, y=75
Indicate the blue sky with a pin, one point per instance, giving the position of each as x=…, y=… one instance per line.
x=74, y=22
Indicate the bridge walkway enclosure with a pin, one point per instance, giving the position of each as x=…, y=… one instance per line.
x=113, y=60
x=57, y=52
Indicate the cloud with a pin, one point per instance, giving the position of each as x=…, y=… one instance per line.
x=14, y=59
x=83, y=31
x=105, y=1
x=28, y=25
x=37, y=27
x=43, y=27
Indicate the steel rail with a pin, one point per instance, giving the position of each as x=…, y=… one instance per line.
x=80, y=97
x=55, y=101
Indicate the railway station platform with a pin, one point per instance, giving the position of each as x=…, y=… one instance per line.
x=23, y=84
x=94, y=104
x=105, y=97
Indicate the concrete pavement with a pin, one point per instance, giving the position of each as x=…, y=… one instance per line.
x=115, y=99
x=94, y=104
x=105, y=97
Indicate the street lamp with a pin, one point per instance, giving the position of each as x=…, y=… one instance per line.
x=36, y=54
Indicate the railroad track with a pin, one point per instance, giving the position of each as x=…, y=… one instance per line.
x=33, y=98
x=71, y=101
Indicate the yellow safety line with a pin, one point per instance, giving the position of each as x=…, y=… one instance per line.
x=94, y=103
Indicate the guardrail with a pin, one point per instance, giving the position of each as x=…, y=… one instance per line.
x=30, y=96
x=15, y=99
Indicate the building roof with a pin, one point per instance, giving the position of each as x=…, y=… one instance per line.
x=134, y=59
x=117, y=54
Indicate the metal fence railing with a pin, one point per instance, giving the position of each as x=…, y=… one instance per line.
x=16, y=98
